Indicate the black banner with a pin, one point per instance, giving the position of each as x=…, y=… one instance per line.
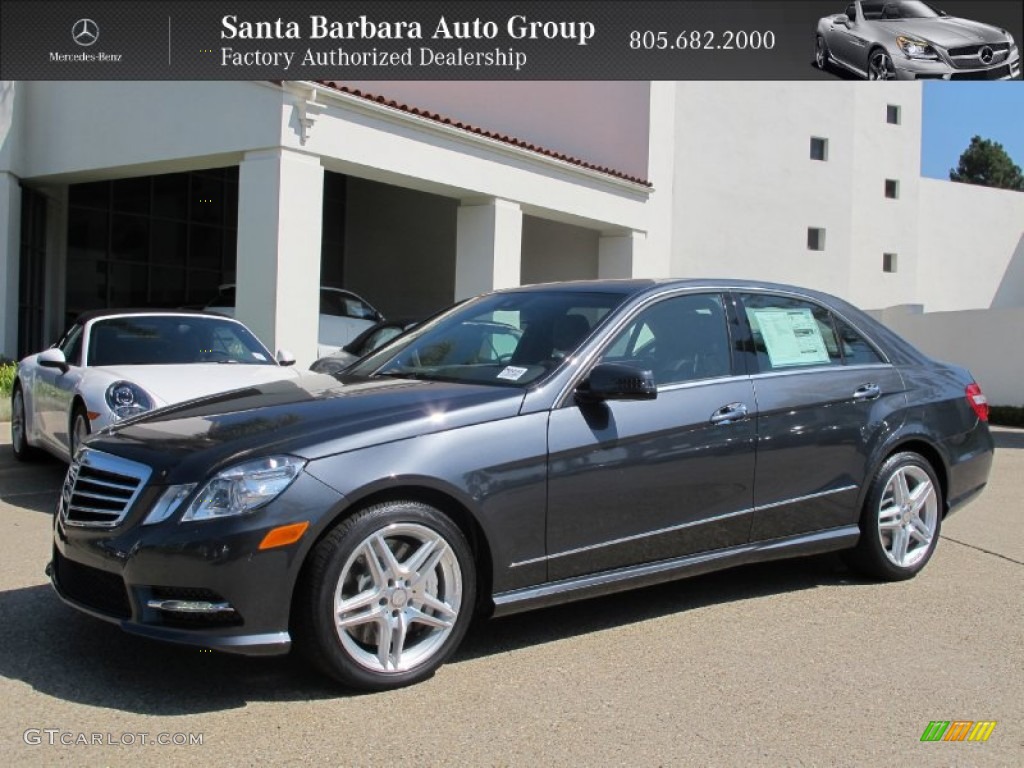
x=695, y=40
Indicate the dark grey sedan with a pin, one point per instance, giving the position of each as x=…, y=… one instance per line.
x=634, y=432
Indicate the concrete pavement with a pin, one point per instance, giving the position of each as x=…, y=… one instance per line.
x=795, y=663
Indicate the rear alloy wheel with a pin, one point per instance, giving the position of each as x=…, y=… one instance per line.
x=387, y=596
x=19, y=428
x=79, y=430
x=880, y=66
x=901, y=520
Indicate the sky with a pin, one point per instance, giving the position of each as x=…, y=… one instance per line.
x=954, y=112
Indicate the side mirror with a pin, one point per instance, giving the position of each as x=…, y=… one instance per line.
x=53, y=358
x=285, y=358
x=842, y=20
x=615, y=381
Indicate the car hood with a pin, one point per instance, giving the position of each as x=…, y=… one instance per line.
x=177, y=383
x=311, y=416
x=949, y=32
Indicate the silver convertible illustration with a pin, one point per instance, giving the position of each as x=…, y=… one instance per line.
x=910, y=40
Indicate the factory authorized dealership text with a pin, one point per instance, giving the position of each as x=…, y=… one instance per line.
x=345, y=57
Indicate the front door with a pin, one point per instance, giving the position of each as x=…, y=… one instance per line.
x=641, y=481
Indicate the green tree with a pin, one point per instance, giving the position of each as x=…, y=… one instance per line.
x=986, y=163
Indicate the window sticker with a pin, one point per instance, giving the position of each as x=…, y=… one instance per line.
x=512, y=373
x=791, y=336
x=259, y=355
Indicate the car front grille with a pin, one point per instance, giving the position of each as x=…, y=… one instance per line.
x=983, y=74
x=99, y=489
x=101, y=591
x=970, y=56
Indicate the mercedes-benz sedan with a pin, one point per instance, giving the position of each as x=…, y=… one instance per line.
x=635, y=432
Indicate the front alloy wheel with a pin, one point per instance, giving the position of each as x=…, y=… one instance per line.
x=387, y=597
x=19, y=439
x=901, y=519
x=880, y=67
x=820, y=53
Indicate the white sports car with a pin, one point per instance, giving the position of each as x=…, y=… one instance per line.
x=112, y=365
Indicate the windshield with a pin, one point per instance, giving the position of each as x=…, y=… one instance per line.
x=172, y=340
x=504, y=339
x=894, y=10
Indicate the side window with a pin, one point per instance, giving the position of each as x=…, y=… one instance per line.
x=71, y=346
x=790, y=333
x=856, y=349
x=679, y=339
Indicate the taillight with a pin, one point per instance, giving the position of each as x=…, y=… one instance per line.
x=977, y=400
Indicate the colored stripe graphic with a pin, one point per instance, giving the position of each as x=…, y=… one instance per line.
x=982, y=730
x=958, y=730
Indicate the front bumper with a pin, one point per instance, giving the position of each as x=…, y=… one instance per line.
x=204, y=583
x=919, y=69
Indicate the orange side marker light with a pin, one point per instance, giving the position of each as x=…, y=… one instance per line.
x=283, y=535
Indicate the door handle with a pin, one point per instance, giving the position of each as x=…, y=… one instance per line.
x=730, y=413
x=867, y=392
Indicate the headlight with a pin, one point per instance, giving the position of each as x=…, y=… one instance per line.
x=916, y=49
x=126, y=399
x=244, y=487
x=167, y=503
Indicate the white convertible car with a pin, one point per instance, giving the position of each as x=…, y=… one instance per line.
x=112, y=365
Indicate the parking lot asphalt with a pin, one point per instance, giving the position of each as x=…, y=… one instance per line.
x=795, y=663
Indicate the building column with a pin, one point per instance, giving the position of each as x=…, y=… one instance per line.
x=622, y=256
x=10, y=262
x=280, y=220
x=488, y=247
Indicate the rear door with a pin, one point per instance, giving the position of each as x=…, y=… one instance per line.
x=825, y=397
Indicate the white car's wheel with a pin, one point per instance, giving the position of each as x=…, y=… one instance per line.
x=19, y=428
x=79, y=429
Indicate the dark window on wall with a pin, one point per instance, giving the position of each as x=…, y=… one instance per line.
x=819, y=148
x=892, y=114
x=815, y=239
x=152, y=241
x=889, y=262
x=892, y=189
x=32, y=274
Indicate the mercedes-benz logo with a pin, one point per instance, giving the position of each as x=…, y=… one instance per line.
x=986, y=54
x=85, y=32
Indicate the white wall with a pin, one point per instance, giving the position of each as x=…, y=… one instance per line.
x=555, y=251
x=602, y=122
x=972, y=246
x=103, y=129
x=987, y=342
x=746, y=190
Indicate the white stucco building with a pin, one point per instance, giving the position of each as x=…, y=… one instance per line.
x=116, y=194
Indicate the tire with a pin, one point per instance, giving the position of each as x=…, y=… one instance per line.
x=880, y=66
x=901, y=520
x=402, y=621
x=23, y=451
x=820, y=53
x=78, y=429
